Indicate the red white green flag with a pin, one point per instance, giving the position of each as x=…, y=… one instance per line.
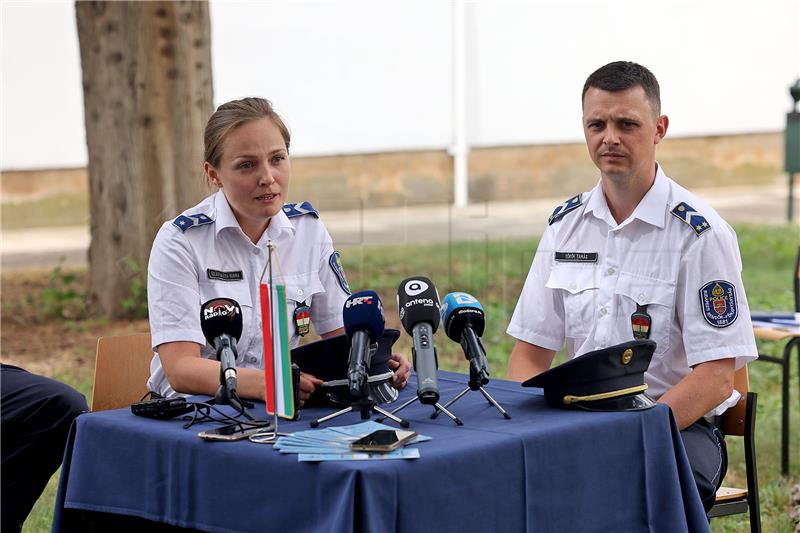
x=277, y=361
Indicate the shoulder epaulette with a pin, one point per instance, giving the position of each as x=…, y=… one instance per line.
x=695, y=220
x=570, y=205
x=297, y=210
x=184, y=222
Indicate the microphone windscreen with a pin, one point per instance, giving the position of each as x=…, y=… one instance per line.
x=460, y=310
x=418, y=301
x=219, y=316
x=363, y=311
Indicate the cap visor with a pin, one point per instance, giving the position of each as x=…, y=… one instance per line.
x=634, y=402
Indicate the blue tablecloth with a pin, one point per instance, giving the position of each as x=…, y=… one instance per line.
x=543, y=470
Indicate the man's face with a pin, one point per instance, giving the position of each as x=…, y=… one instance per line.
x=622, y=132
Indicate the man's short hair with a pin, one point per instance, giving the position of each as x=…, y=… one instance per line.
x=622, y=75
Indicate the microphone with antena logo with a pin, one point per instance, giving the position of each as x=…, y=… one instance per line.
x=418, y=305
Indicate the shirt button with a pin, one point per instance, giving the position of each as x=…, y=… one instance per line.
x=299, y=292
x=641, y=296
x=256, y=251
x=603, y=311
x=610, y=271
x=252, y=359
x=573, y=285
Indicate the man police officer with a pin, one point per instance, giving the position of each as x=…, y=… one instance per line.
x=640, y=257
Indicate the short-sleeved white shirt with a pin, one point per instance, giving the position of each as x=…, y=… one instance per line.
x=654, y=259
x=204, y=254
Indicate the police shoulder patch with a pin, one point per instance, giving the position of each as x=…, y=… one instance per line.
x=184, y=222
x=567, y=207
x=718, y=303
x=336, y=265
x=695, y=220
x=300, y=209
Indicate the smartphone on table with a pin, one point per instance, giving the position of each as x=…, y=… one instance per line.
x=382, y=440
x=237, y=431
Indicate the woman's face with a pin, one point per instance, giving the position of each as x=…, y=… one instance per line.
x=253, y=173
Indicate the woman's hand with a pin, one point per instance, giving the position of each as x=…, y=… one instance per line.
x=308, y=384
x=402, y=370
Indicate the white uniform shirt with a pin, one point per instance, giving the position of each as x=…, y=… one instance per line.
x=653, y=258
x=213, y=258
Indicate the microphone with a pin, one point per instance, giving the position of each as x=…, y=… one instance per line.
x=363, y=325
x=221, y=322
x=418, y=305
x=463, y=321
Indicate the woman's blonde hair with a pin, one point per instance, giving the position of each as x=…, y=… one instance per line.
x=233, y=114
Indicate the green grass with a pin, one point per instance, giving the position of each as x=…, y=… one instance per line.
x=494, y=272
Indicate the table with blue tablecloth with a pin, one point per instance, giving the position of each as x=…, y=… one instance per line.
x=543, y=470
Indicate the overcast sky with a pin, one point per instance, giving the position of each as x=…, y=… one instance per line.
x=353, y=77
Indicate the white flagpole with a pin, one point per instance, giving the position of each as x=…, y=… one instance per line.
x=273, y=331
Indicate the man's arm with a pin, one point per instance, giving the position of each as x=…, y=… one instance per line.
x=708, y=385
x=528, y=360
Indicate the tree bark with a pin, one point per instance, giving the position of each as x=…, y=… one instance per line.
x=147, y=93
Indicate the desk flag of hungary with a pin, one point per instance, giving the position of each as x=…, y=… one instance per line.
x=277, y=362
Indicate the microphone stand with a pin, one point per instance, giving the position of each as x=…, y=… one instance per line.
x=478, y=374
x=224, y=395
x=363, y=403
x=438, y=408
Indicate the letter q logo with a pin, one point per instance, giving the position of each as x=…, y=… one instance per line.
x=415, y=287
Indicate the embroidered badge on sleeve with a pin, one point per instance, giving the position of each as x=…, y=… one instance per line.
x=336, y=265
x=718, y=303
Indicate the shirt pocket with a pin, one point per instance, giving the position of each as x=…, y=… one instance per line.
x=659, y=297
x=240, y=293
x=300, y=290
x=578, y=286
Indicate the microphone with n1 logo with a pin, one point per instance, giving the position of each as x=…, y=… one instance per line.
x=221, y=322
x=363, y=324
x=463, y=320
x=418, y=305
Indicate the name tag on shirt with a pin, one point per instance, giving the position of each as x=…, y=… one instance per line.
x=236, y=275
x=576, y=257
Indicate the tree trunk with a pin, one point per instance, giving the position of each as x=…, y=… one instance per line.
x=147, y=94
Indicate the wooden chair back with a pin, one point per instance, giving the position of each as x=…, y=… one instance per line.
x=121, y=370
x=733, y=420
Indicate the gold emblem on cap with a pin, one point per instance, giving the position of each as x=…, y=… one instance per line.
x=627, y=355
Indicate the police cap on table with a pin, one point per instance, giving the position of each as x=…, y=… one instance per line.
x=611, y=379
x=327, y=359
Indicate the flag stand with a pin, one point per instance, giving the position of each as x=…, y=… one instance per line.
x=270, y=435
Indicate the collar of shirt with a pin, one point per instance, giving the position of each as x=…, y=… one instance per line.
x=225, y=218
x=652, y=208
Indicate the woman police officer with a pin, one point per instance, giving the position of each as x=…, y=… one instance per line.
x=219, y=249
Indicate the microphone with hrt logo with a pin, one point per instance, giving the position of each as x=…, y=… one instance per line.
x=363, y=324
x=418, y=305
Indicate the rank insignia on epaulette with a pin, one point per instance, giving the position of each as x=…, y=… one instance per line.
x=184, y=222
x=570, y=205
x=718, y=303
x=297, y=210
x=695, y=220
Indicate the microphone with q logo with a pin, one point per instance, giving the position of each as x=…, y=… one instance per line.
x=418, y=306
